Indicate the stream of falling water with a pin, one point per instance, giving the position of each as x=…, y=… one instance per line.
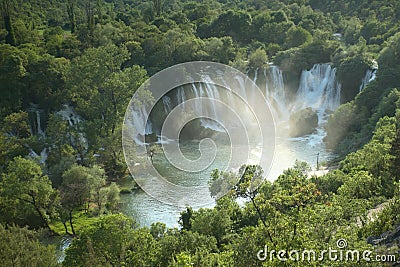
x=318, y=89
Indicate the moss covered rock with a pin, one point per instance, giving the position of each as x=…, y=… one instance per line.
x=303, y=122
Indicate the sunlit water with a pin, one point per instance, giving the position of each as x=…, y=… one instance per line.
x=147, y=210
x=317, y=89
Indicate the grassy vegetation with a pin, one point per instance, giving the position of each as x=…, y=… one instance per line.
x=82, y=221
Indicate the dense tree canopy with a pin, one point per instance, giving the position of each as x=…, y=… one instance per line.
x=69, y=68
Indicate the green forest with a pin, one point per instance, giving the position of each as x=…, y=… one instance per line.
x=69, y=69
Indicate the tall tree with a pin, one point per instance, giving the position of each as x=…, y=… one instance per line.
x=71, y=14
x=157, y=5
x=25, y=186
x=89, y=8
x=6, y=8
x=101, y=90
x=113, y=241
x=80, y=186
x=14, y=136
x=21, y=247
x=13, y=65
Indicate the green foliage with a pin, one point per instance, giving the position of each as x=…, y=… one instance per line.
x=297, y=36
x=360, y=185
x=113, y=197
x=374, y=102
x=235, y=23
x=131, y=246
x=351, y=70
x=296, y=59
x=209, y=222
x=185, y=219
x=258, y=58
x=15, y=134
x=250, y=178
x=16, y=124
x=80, y=184
x=158, y=230
x=376, y=158
x=330, y=182
x=81, y=221
x=295, y=190
x=125, y=190
x=62, y=155
x=13, y=68
x=24, y=189
x=175, y=242
x=21, y=247
x=386, y=219
x=93, y=55
x=221, y=50
x=101, y=94
x=342, y=122
x=352, y=30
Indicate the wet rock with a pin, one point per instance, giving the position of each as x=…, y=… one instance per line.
x=303, y=122
x=388, y=238
x=149, y=138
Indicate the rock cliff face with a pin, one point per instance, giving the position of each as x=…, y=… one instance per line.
x=303, y=122
x=388, y=238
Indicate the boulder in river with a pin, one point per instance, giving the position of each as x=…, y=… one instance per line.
x=303, y=122
x=148, y=138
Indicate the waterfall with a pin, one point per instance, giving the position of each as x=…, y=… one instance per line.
x=42, y=157
x=38, y=123
x=242, y=85
x=255, y=76
x=197, y=95
x=35, y=119
x=181, y=97
x=275, y=92
x=167, y=104
x=139, y=115
x=68, y=114
x=149, y=125
x=208, y=89
x=212, y=92
x=370, y=75
x=318, y=89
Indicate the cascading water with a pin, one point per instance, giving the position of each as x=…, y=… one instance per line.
x=370, y=75
x=211, y=92
x=275, y=92
x=36, y=119
x=181, y=96
x=42, y=157
x=37, y=129
x=139, y=115
x=68, y=114
x=318, y=89
x=167, y=104
x=255, y=76
x=38, y=123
